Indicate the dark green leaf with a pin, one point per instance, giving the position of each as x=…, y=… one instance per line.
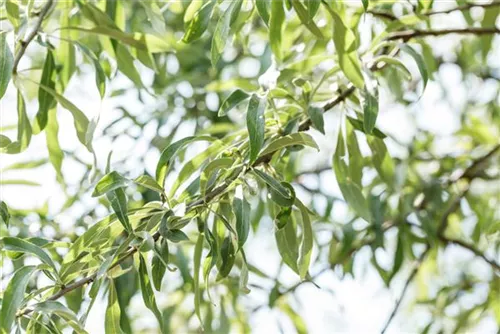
x=13, y=296
x=286, y=238
x=198, y=249
x=227, y=256
x=232, y=101
x=306, y=244
x=263, y=10
x=281, y=192
x=159, y=264
x=24, y=246
x=358, y=125
x=4, y=213
x=45, y=99
x=316, y=116
x=370, y=111
x=148, y=182
x=148, y=294
x=276, y=24
x=199, y=22
x=118, y=200
x=109, y=182
x=176, y=236
x=6, y=63
x=306, y=18
x=297, y=138
x=242, y=212
x=255, y=124
x=382, y=160
x=419, y=60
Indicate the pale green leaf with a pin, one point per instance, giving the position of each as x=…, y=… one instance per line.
x=6, y=63
x=109, y=182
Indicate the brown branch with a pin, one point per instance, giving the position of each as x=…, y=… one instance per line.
x=410, y=278
x=473, y=249
x=409, y=34
x=24, y=44
x=462, y=8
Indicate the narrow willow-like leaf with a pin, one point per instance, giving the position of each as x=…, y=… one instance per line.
x=221, y=33
x=295, y=317
x=312, y=8
x=148, y=294
x=263, y=10
x=148, y=182
x=56, y=154
x=283, y=191
x=6, y=63
x=243, y=283
x=50, y=308
x=305, y=15
x=370, y=111
x=276, y=23
x=232, y=101
x=13, y=296
x=160, y=263
x=316, y=116
x=112, y=318
x=350, y=190
x=109, y=182
x=298, y=138
x=24, y=246
x=125, y=63
x=140, y=41
x=420, y=62
x=199, y=22
x=382, y=160
x=24, y=131
x=210, y=169
x=118, y=200
x=80, y=120
x=256, y=124
x=365, y=4
x=286, y=238
x=4, y=213
x=396, y=62
x=227, y=253
x=345, y=45
x=359, y=125
x=100, y=76
x=168, y=154
x=242, y=213
x=306, y=244
x=196, y=276
x=45, y=99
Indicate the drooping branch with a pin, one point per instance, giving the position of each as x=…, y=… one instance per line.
x=415, y=33
x=473, y=249
x=25, y=43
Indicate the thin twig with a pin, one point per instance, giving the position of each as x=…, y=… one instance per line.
x=409, y=34
x=473, y=249
x=413, y=274
x=462, y=8
x=31, y=35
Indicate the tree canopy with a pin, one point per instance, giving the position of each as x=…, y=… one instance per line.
x=179, y=135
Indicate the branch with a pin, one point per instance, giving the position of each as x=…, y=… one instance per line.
x=409, y=34
x=24, y=44
x=473, y=249
x=462, y=8
x=405, y=288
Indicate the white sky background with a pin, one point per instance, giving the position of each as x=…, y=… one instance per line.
x=359, y=305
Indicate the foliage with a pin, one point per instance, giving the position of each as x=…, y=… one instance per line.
x=246, y=84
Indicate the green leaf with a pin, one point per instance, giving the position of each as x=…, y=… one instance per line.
x=100, y=76
x=316, y=116
x=125, y=63
x=243, y=283
x=345, y=45
x=45, y=99
x=176, y=236
x=148, y=182
x=298, y=138
x=286, y=238
x=148, y=294
x=109, y=182
x=358, y=125
x=139, y=41
x=199, y=22
x=118, y=200
x=4, y=213
x=489, y=20
x=306, y=244
x=351, y=191
x=365, y=4
x=306, y=15
x=168, y=154
x=13, y=296
x=228, y=256
x=256, y=123
x=112, y=318
x=23, y=246
x=23, y=129
x=312, y=8
x=396, y=62
x=419, y=60
x=80, y=120
x=221, y=33
x=6, y=63
x=281, y=192
x=382, y=160
x=196, y=278
x=50, y=308
x=232, y=101
x=370, y=111
x=56, y=154
x=276, y=24
x=159, y=264
x=242, y=212
x=263, y=10
x=210, y=169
